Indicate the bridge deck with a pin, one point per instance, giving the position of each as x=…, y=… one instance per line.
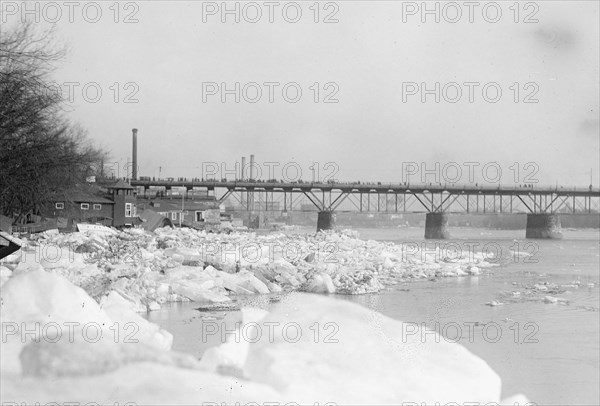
x=504, y=190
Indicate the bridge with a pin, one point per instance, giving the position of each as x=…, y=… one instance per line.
x=543, y=204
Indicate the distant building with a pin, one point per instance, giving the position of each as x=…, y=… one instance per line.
x=110, y=203
x=78, y=206
x=114, y=202
x=125, y=210
x=187, y=212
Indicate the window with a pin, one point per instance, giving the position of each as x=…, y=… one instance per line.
x=59, y=206
x=97, y=207
x=199, y=216
x=128, y=209
x=85, y=206
x=173, y=215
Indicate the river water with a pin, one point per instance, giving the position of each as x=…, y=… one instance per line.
x=548, y=351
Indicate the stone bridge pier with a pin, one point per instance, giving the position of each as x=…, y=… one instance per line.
x=543, y=225
x=326, y=220
x=436, y=226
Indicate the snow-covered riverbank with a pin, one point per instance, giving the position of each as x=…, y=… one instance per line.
x=149, y=269
x=71, y=332
x=59, y=345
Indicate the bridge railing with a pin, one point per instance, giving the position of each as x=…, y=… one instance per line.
x=364, y=185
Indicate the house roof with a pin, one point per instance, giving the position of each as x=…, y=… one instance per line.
x=79, y=196
x=151, y=220
x=120, y=184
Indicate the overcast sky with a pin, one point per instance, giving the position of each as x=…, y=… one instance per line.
x=368, y=57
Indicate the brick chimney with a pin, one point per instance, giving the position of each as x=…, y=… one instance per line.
x=134, y=155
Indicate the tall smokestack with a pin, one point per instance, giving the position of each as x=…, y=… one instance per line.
x=252, y=167
x=134, y=155
x=243, y=171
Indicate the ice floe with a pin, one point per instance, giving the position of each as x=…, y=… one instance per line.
x=337, y=352
x=168, y=265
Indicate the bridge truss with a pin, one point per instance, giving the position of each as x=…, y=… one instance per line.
x=392, y=198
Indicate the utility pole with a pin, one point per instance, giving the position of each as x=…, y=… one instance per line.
x=181, y=215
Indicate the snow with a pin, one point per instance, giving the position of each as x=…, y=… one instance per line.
x=352, y=353
x=5, y=274
x=232, y=354
x=121, y=314
x=144, y=383
x=344, y=354
x=153, y=268
x=38, y=304
x=105, y=279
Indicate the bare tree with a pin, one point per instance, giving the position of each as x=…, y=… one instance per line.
x=41, y=153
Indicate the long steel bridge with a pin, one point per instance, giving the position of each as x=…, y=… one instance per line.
x=542, y=203
x=390, y=197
